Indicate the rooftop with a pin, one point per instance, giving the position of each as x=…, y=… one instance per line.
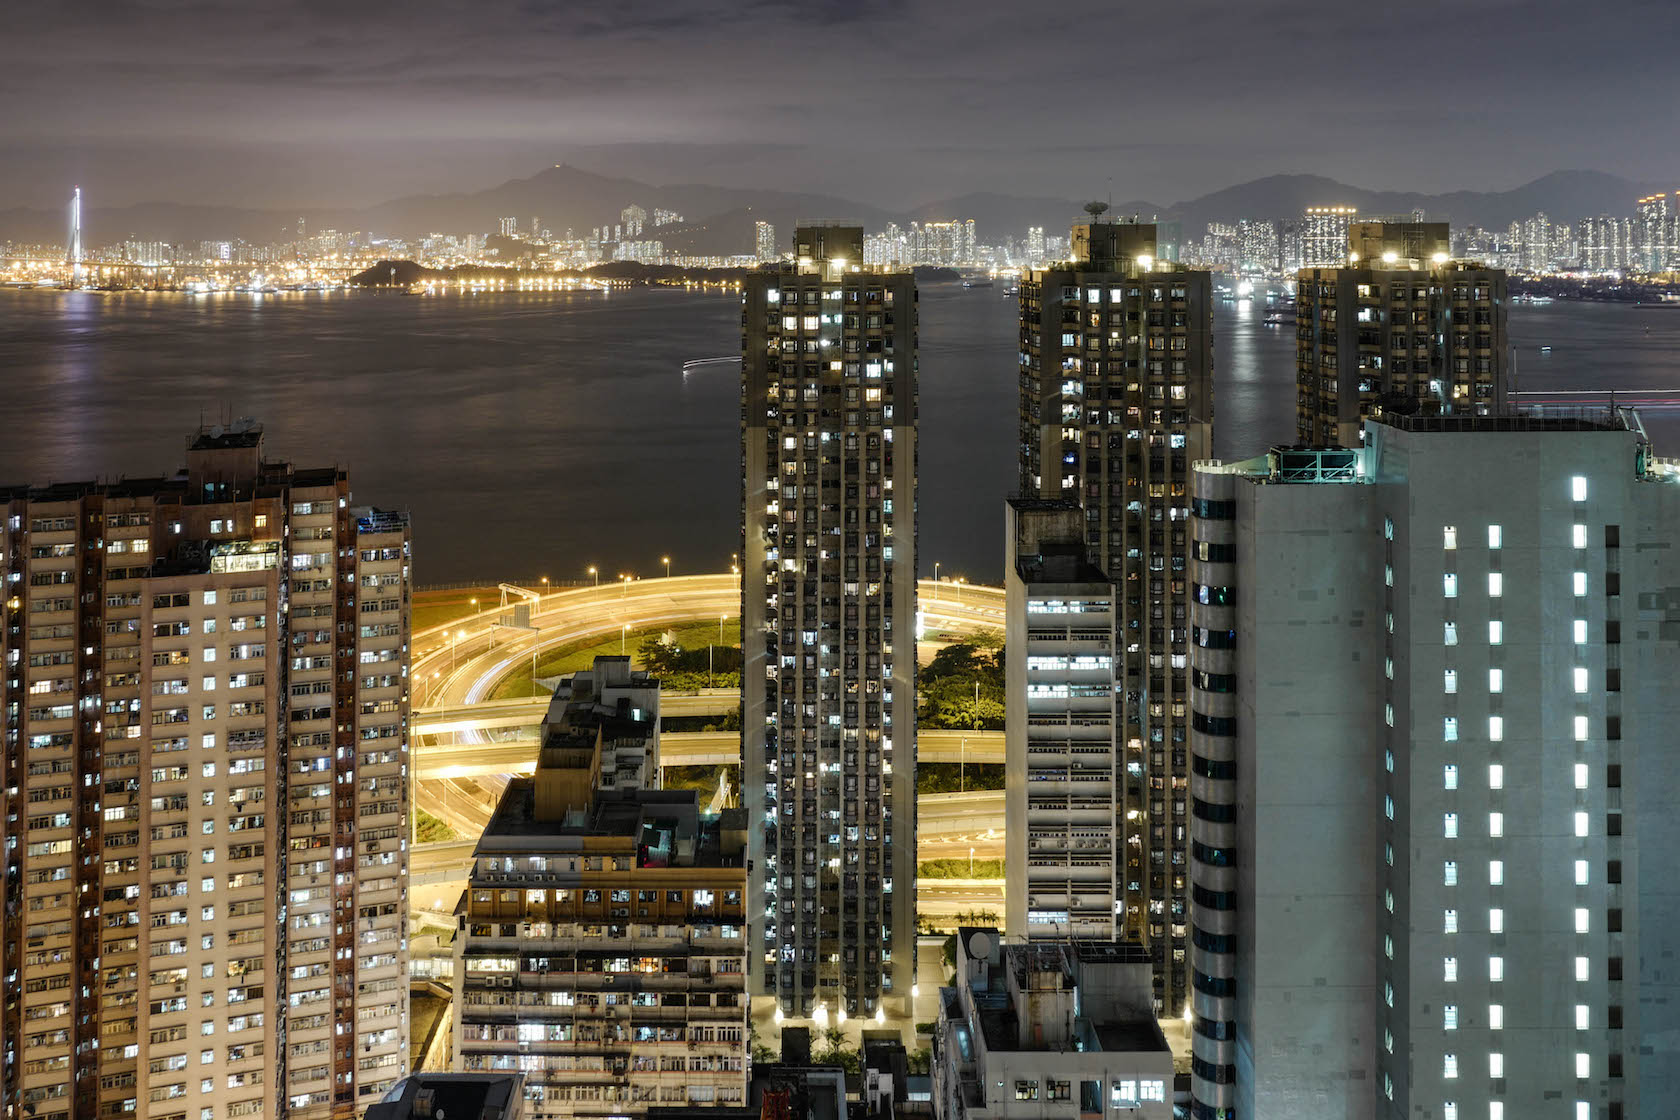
x=665, y=825
x=458, y=1096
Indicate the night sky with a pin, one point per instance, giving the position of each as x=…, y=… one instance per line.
x=892, y=102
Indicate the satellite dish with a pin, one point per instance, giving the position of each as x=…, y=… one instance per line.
x=1096, y=209
x=979, y=945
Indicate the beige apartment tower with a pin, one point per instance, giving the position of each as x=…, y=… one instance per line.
x=828, y=617
x=1116, y=403
x=204, y=881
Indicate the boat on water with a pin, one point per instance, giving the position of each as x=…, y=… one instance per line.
x=977, y=283
x=1279, y=317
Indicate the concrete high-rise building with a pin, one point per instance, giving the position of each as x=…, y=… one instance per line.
x=1402, y=324
x=942, y=243
x=205, y=792
x=508, y=227
x=602, y=946
x=1049, y=1029
x=1116, y=403
x=1035, y=246
x=1065, y=797
x=765, y=234
x=75, y=239
x=1324, y=236
x=1657, y=227
x=828, y=610
x=1432, y=774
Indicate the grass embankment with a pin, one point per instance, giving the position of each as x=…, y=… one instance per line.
x=953, y=777
x=430, y=830
x=574, y=656
x=433, y=608
x=958, y=868
x=705, y=779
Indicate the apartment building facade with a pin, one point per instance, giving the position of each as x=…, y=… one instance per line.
x=1116, y=403
x=1432, y=775
x=828, y=608
x=206, y=807
x=1402, y=325
x=1066, y=793
x=602, y=947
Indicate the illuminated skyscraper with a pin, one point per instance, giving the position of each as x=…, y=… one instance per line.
x=766, y=241
x=75, y=253
x=1324, y=234
x=828, y=610
x=205, y=787
x=1400, y=324
x=1116, y=403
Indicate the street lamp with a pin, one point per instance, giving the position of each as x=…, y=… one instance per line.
x=454, y=640
x=625, y=590
x=596, y=572
x=666, y=560
x=971, y=863
x=545, y=584
x=623, y=636
x=936, y=581
x=959, y=581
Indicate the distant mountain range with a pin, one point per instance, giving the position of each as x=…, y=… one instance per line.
x=720, y=220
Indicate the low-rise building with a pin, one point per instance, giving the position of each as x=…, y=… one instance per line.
x=1044, y=1029
x=602, y=943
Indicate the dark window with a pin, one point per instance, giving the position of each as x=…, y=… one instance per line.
x=1214, y=682
x=1616, y=920
x=1612, y=583
x=1612, y=536
x=1216, y=814
x=1615, y=968
x=1612, y=727
x=1215, y=857
x=1213, y=510
x=1208, y=768
x=1613, y=775
x=1614, y=871
x=1615, y=1019
x=1612, y=824
x=1213, y=725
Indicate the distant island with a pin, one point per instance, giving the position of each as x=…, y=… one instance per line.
x=407, y=274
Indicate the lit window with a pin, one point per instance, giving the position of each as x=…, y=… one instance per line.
x=1449, y=1111
x=1449, y=586
x=1449, y=729
x=1580, y=873
x=1496, y=776
x=1449, y=536
x=1580, y=680
x=1449, y=969
x=1449, y=634
x=1449, y=873
x=1578, y=488
x=1496, y=585
x=1449, y=1017
x=1581, y=970
x=1449, y=921
x=1449, y=1066
x=1496, y=728
x=1496, y=1016
x=1583, y=1017
x=1449, y=825
x=1580, y=583
x=1580, y=631
x=1449, y=681
x=1496, y=922
x=1580, y=824
x=1449, y=776
x=1580, y=775
x=1580, y=536
x=1496, y=1064
x=1582, y=922
x=1496, y=824
x=1496, y=872
x=1496, y=969
x=1580, y=729
x=1583, y=1065
x=1496, y=680
x=1495, y=536
x=1496, y=632
x=1583, y=1110
x=1496, y=1110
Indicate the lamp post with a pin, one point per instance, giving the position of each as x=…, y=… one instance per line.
x=666, y=560
x=596, y=572
x=625, y=587
x=454, y=640
x=936, y=581
x=623, y=636
x=971, y=863
x=544, y=587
